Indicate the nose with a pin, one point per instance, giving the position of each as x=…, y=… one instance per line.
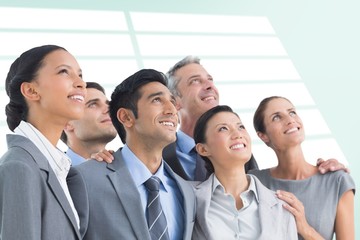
x=79, y=83
x=208, y=84
x=290, y=120
x=236, y=134
x=170, y=108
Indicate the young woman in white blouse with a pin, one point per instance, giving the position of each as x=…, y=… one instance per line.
x=45, y=90
x=230, y=203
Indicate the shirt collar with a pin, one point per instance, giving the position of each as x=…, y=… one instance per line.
x=75, y=158
x=185, y=142
x=58, y=161
x=252, y=187
x=138, y=171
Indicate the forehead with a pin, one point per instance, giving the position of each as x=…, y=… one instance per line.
x=190, y=70
x=224, y=117
x=278, y=104
x=153, y=87
x=92, y=93
x=59, y=57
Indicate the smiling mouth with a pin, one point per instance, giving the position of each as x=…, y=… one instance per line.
x=291, y=130
x=166, y=123
x=208, y=98
x=237, y=146
x=78, y=98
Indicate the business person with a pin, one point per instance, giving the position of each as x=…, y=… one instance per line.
x=230, y=203
x=46, y=90
x=323, y=204
x=195, y=92
x=115, y=205
x=93, y=131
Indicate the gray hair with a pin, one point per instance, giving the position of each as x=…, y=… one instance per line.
x=174, y=81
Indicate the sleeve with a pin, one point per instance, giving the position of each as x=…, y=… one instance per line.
x=346, y=183
x=20, y=203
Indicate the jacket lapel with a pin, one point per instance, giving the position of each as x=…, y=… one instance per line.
x=128, y=194
x=53, y=183
x=267, y=201
x=203, y=196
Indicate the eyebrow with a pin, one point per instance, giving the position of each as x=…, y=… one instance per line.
x=68, y=67
x=222, y=124
x=155, y=94
x=92, y=101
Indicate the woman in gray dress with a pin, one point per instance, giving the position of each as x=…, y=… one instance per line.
x=323, y=204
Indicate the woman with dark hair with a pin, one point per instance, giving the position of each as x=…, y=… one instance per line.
x=231, y=204
x=323, y=204
x=46, y=90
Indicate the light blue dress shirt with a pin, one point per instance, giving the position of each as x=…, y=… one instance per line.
x=184, y=145
x=76, y=159
x=170, y=196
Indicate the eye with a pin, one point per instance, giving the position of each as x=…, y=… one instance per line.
x=195, y=80
x=223, y=128
x=64, y=71
x=293, y=113
x=242, y=126
x=276, y=118
x=92, y=105
x=157, y=99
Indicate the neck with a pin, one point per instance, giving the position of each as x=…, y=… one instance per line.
x=292, y=165
x=85, y=149
x=187, y=126
x=234, y=181
x=51, y=131
x=149, y=154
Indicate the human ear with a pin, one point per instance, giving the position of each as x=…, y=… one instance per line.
x=69, y=127
x=202, y=149
x=178, y=105
x=263, y=137
x=125, y=117
x=28, y=90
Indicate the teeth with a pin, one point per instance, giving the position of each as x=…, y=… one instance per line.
x=292, y=130
x=237, y=146
x=167, y=124
x=77, y=97
x=209, y=98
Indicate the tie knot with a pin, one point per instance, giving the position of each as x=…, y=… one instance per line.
x=153, y=183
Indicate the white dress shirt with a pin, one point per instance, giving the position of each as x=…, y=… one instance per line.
x=225, y=221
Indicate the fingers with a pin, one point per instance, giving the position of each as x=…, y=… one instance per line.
x=103, y=155
x=292, y=202
x=330, y=165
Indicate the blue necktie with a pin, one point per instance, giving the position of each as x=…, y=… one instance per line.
x=155, y=216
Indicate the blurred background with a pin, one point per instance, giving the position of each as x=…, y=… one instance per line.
x=307, y=51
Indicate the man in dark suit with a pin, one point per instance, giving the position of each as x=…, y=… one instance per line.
x=115, y=204
x=195, y=93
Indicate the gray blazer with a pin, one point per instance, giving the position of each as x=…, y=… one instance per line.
x=32, y=203
x=275, y=221
x=111, y=207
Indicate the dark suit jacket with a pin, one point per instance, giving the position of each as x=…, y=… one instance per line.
x=33, y=205
x=169, y=155
x=111, y=206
